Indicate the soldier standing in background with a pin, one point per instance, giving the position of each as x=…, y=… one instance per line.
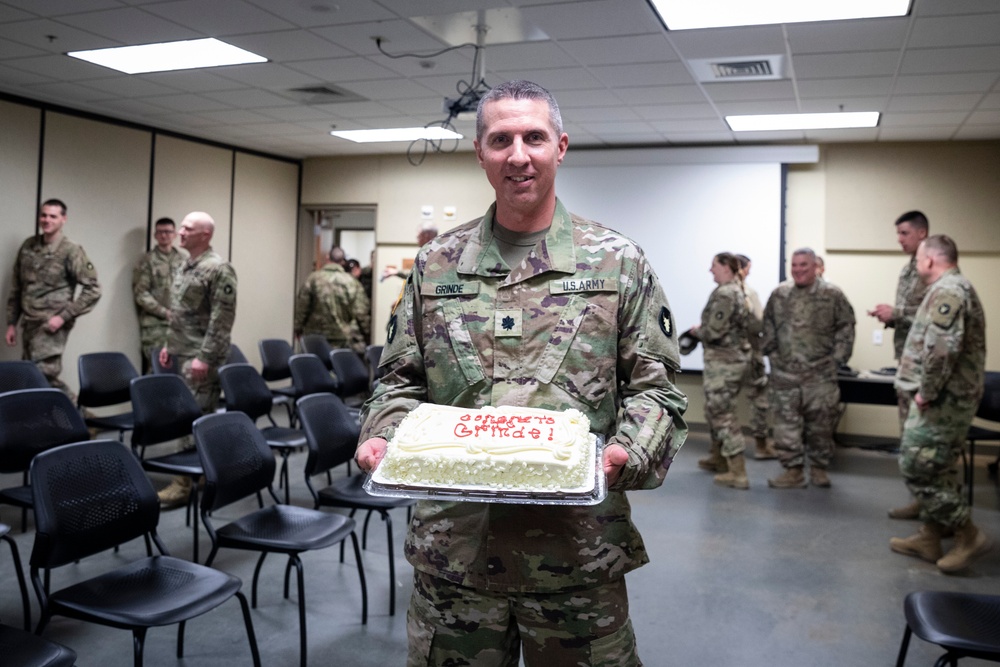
x=808, y=333
x=152, y=279
x=332, y=303
x=530, y=306
x=911, y=228
x=942, y=372
x=203, y=307
x=756, y=379
x=43, y=293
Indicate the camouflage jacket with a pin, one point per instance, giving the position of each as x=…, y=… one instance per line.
x=152, y=279
x=331, y=302
x=910, y=292
x=945, y=352
x=581, y=323
x=203, y=302
x=808, y=332
x=45, y=281
x=725, y=325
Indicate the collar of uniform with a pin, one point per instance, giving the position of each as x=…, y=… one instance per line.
x=191, y=263
x=556, y=251
x=330, y=266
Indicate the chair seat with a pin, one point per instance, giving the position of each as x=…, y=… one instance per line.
x=349, y=492
x=121, y=422
x=27, y=650
x=285, y=529
x=279, y=437
x=963, y=621
x=180, y=463
x=19, y=496
x=284, y=392
x=155, y=591
x=979, y=433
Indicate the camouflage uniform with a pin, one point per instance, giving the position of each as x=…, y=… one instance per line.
x=203, y=303
x=581, y=323
x=724, y=335
x=943, y=360
x=152, y=279
x=756, y=380
x=910, y=293
x=808, y=332
x=43, y=286
x=332, y=303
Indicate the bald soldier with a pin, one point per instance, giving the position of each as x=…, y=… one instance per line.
x=43, y=294
x=942, y=372
x=203, y=307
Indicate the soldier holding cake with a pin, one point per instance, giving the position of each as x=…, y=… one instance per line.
x=532, y=307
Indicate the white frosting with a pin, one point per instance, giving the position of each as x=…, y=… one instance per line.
x=498, y=448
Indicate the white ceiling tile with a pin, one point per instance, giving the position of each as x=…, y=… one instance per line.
x=834, y=65
x=608, y=50
x=194, y=80
x=61, y=67
x=343, y=69
x=953, y=7
x=690, y=125
x=61, y=7
x=392, y=89
x=570, y=99
x=9, y=13
x=398, y=37
x=728, y=42
x=526, y=56
x=906, y=103
x=840, y=36
x=64, y=38
x=294, y=114
x=597, y=18
x=186, y=103
x=645, y=74
x=601, y=114
x=753, y=107
x=848, y=86
x=750, y=90
x=64, y=90
x=129, y=107
x=977, y=132
x=12, y=78
x=9, y=49
x=974, y=29
x=925, y=119
x=572, y=78
x=749, y=138
x=967, y=59
x=250, y=99
x=129, y=25
x=853, y=135
x=975, y=82
x=308, y=13
x=698, y=138
x=844, y=103
x=663, y=95
x=613, y=129
x=984, y=117
x=676, y=111
x=454, y=63
x=266, y=75
x=991, y=101
x=233, y=116
x=942, y=133
x=219, y=17
x=128, y=86
x=288, y=45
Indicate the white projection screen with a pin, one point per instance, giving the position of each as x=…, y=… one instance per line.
x=682, y=214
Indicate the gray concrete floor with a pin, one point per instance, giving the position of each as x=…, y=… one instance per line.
x=758, y=577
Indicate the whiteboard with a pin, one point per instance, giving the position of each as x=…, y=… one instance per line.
x=682, y=215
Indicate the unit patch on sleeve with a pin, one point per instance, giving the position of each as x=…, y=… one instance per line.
x=390, y=329
x=945, y=310
x=666, y=324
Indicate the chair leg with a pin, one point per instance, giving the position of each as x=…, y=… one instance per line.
x=364, y=531
x=256, y=575
x=283, y=476
x=21, y=583
x=180, y=639
x=138, y=643
x=248, y=622
x=901, y=658
x=392, y=562
x=361, y=577
x=288, y=573
x=295, y=560
x=194, y=519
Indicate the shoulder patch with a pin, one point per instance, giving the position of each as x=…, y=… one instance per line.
x=390, y=329
x=666, y=323
x=945, y=309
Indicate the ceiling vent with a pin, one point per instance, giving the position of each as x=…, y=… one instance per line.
x=325, y=94
x=749, y=68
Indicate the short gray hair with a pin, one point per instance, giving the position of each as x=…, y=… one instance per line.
x=519, y=89
x=806, y=251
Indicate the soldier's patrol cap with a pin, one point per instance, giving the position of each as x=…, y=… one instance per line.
x=687, y=343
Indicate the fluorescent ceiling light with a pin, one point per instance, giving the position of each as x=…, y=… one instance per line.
x=433, y=133
x=803, y=121
x=688, y=15
x=168, y=56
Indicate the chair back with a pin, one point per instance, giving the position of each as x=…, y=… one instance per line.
x=236, y=355
x=89, y=497
x=274, y=356
x=160, y=369
x=989, y=405
x=235, y=457
x=20, y=374
x=310, y=376
x=373, y=354
x=331, y=432
x=34, y=420
x=164, y=409
x=318, y=345
x=105, y=379
x=351, y=372
x=244, y=390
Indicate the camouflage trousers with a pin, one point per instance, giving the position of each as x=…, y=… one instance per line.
x=722, y=381
x=46, y=350
x=451, y=625
x=756, y=386
x=151, y=337
x=931, y=444
x=903, y=403
x=206, y=392
x=804, y=418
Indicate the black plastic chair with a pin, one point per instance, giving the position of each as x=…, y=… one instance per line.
x=17, y=375
x=373, y=355
x=19, y=573
x=989, y=409
x=318, y=345
x=274, y=356
x=965, y=625
x=24, y=649
x=236, y=355
x=238, y=464
x=91, y=496
x=310, y=376
x=332, y=434
x=31, y=421
x=165, y=410
x=104, y=381
x=352, y=376
x=244, y=390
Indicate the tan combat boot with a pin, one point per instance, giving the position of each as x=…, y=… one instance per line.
x=176, y=494
x=924, y=544
x=791, y=478
x=715, y=461
x=906, y=512
x=764, y=451
x=737, y=475
x=970, y=544
x=818, y=477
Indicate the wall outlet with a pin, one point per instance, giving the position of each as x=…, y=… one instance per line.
x=877, y=337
